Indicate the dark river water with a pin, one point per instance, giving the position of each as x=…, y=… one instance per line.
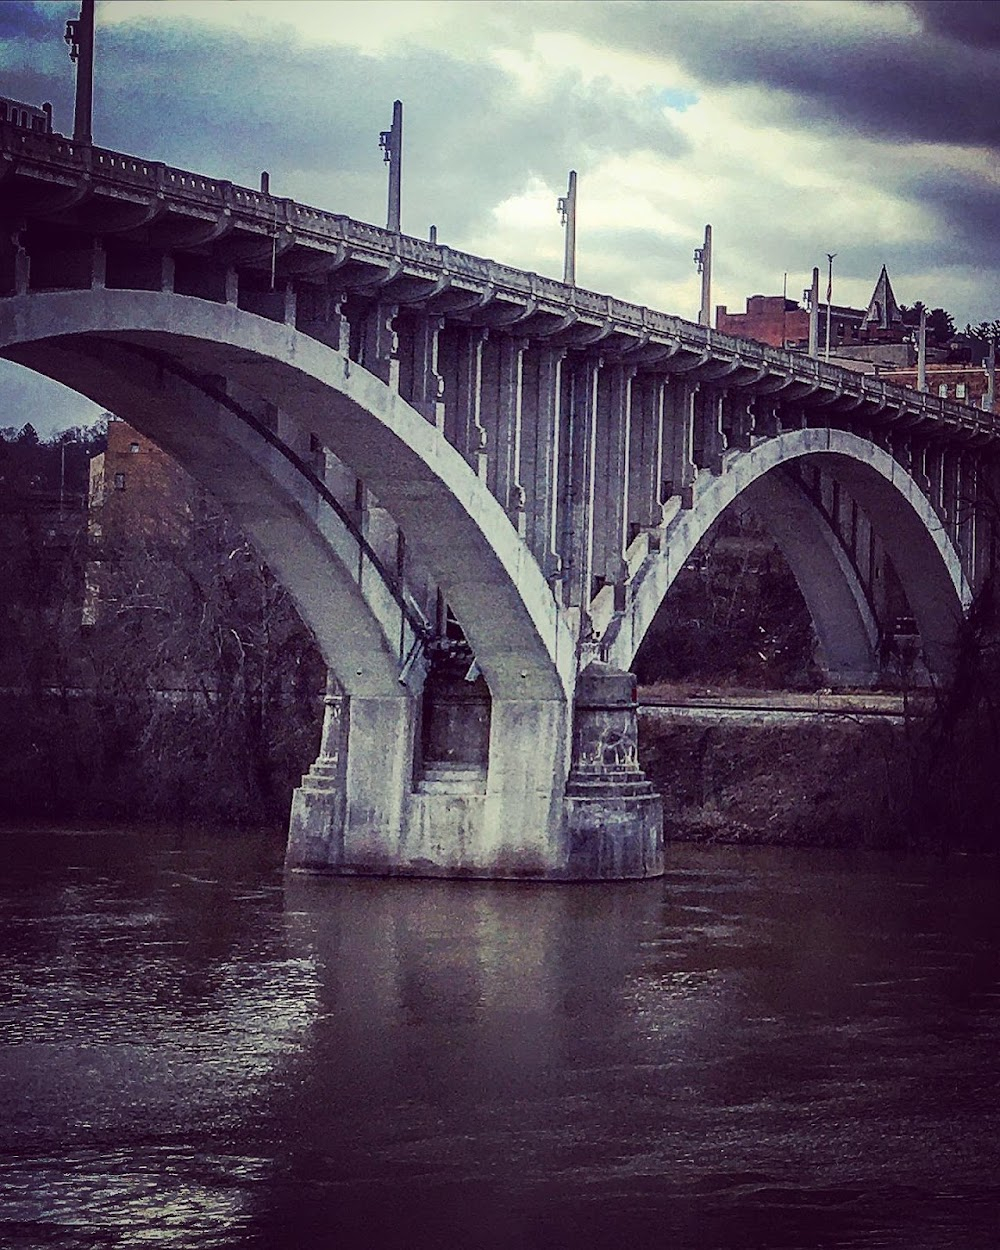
x=765, y=1049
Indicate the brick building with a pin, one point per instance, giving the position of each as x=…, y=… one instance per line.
x=968, y=384
x=136, y=490
x=781, y=322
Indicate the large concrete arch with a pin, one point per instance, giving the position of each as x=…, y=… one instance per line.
x=457, y=528
x=918, y=544
x=361, y=631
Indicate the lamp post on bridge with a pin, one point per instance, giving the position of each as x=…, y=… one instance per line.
x=80, y=37
x=703, y=260
x=829, y=297
x=391, y=143
x=566, y=207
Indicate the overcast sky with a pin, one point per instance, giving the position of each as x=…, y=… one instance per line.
x=869, y=129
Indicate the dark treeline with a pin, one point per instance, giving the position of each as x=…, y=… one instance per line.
x=156, y=671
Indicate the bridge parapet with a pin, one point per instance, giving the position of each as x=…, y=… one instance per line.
x=316, y=244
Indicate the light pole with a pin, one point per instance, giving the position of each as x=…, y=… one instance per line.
x=566, y=208
x=80, y=37
x=703, y=263
x=829, y=297
x=391, y=143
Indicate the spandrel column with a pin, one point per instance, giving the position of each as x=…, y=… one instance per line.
x=500, y=415
x=420, y=381
x=460, y=356
x=645, y=506
x=679, y=467
x=611, y=478
x=541, y=390
x=576, y=477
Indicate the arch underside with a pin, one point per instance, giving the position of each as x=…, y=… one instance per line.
x=846, y=626
x=101, y=343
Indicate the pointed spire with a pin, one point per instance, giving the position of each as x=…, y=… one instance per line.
x=883, y=311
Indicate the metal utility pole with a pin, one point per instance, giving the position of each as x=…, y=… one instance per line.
x=80, y=37
x=989, y=399
x=784, y=311
x=829, y=297
x=813, y=294
x=566, y=207
x=391, y=143
x=922, y=351
x=703, y=259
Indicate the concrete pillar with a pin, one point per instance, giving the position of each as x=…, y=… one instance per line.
x=316, y=825
x=15, y=264
x=679, y=468
x=513, y=825
x=611, y=476
x=614, y=822
x=321, y=314
x=348, y=815
x=738, y=420
x=540, y=427
x=500, y=415
x=167, y=274
x=576, y=478
x=950, y=489
x=709, y=441
x=934, y=469
x=460, y=353
x=99, y=266
x=379, y=346
x=645, y=505
x=420, y=382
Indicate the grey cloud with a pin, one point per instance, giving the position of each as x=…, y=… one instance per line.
x=899, y=86
x=216, y=101
x=975, y=22
x=969, y=212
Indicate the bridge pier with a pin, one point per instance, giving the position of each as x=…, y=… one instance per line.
x=370, y=806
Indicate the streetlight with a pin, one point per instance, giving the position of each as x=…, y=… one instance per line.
x=566, y=208
x=829, y=297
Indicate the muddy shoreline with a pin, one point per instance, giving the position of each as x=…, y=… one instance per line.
x=834, y=780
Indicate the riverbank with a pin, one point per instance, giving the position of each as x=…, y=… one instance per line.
x=766, y=776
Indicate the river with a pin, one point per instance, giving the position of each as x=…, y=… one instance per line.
x=767, y=1048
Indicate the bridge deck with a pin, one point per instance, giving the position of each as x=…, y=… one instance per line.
x=48, y=176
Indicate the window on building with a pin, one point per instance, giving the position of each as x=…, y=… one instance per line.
x=119, y=481
x=959, y=390
x=133, y=446
x=943, y=390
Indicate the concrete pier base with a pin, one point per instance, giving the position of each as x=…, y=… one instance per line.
x=365, y=808
x=613, y=822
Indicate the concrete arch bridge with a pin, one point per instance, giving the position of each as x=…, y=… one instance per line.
x=478, y=484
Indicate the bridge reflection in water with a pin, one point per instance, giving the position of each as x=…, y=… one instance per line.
x=772, y=1049
x=465, y=473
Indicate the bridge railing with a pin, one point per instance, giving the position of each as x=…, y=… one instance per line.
x=267, y=214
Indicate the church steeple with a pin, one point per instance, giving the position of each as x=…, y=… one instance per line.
x=883, y=311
